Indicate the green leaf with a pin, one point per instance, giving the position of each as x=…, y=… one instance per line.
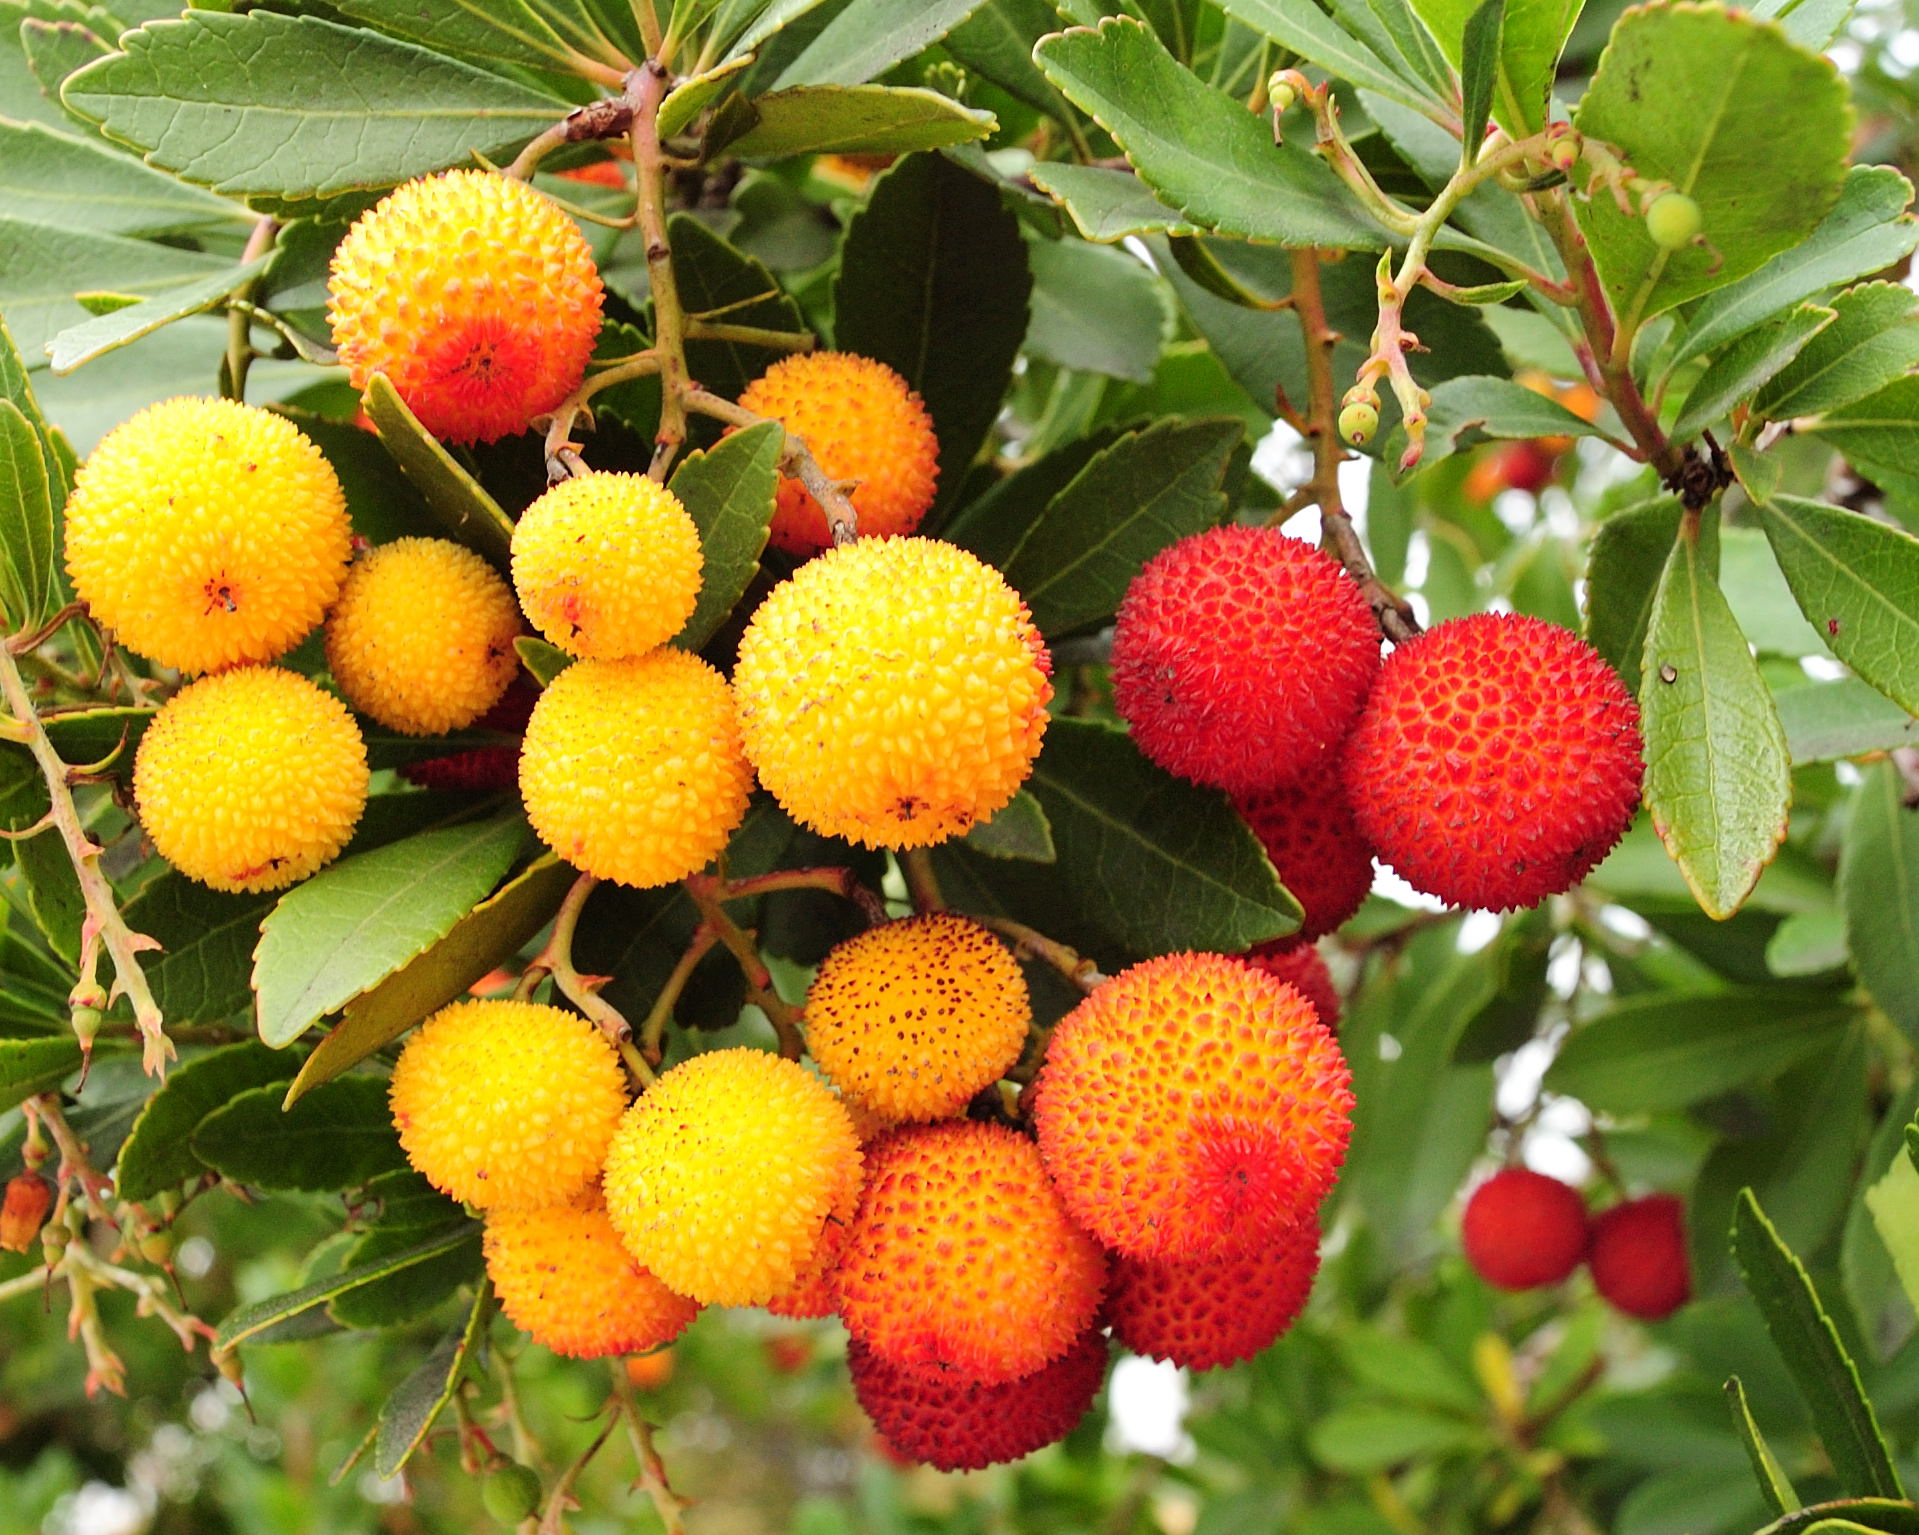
x=1893, y=1201
x=716, y=279
x=1777, y=1490
x=1879, y=888
x=1095, y=309
x=729, y=491
x=82, y=343
x=204, y=970
x=1759, y=474
x=1107, y=205
x=1880, y=432
x=1019, y=831
x=1200, y=149
x=53, y=178
x=1303, y=28
x=1849, y=1516
x=337, y=1136
x=1479, y=68
x=487, y=936
x=994, y=524
x=1146, y=491
x=933, y=282
x=299, y=107
x=1748, y=362
x=249, y=1322
x=358, y=921
x=28, y=575
x=1494, y=407
x=408, y=1415
x=1874, y=341
x=1368, y=1437
x=412, y=1293
x=1718, y=780
x=29, y=1066
x=454, y=496
x=1820, y=1365
x=996, y=43
x=498, y=31
x=693, y=96
x=1667, y=1050
x=159, y=1153
x=1857, y=582
x=853, y=119
x=1629, y=554
x=1868, y=229
x=56, y=49
x=869, y=37
x=1685, y=91
x=543, y=660
x=1828, y=720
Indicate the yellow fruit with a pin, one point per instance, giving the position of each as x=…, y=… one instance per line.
x=911, y=1019
x=206, y=533
x=422, y=636
x=632, y=770
x=607, y=565
x=250, y=779
x=724, y=1174
x=563, y=1277
x=475, y=295
x=507, y=1105
x=861, y=422
x=893, y=692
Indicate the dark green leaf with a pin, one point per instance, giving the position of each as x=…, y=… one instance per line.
x=1095, y=309
x=335, y=1137
x=1020, y=831
x=1874, y=340
x=411, y=1293
x=1765, y=1466
x=729, y=491
x=996, y=43
x=29, y=1066
x=716, y=279
x=159, y=1153
x=53, y=893
x=1303, y=28
x=1629, y=553
x=1880, y=432
x=994, y=524
x=851, y=119
x=1747, y=362
x=408, y=1415
x=27, y=573
x=1849, y=1516
x=1479, y=67
x=455, y=497
x=82, y=343
x=538, y=35
x=1107, y=204
x=204, y=970
x=869, y=37
x=1879, y=887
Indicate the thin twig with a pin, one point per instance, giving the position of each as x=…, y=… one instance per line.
x=556, y=960
x=707, y=893
x=653, y=1027
x=239, y=322
x=796, y=459
x=1030, y=943
x=834, y=880
x=921, y=880
x=667, y=1503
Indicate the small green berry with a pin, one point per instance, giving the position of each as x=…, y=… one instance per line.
x=511, y=1493
x=1673, y=219
x=1358, y=420
x=1280, y=93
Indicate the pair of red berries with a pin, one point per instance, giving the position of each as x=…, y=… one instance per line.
x=1523, y=1230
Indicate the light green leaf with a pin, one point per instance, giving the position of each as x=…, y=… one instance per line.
x=1747, y=363
x=53, y=178
x=358, y=921
x=28, y=577
x=1494, y=407
x=1367, y=1437
x=771, y=19
x=1874, y=340
x=1780, y=1497
x=1095, y=309
x=869, y=37
x=1718, y=780
x=1759, y=474
x=729, y=492
x=337, y=1136
x=1894, y=1203
x=408, y=1415
x=299, y=107
x=1879, y=888
x=1107, y=205
x=853, y=119
x=1828, y=720
x=159, y=1154
x=250, y=1322
x=1685, y=91
x=454, y=496
x=497, y=31
x=82, y=343
x=1303, y=28
x=543, y=661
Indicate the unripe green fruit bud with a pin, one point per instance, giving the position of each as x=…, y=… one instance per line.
x=157, y=1247
x=1673, y=219
x=1564, y=154
x=512, y=1493
x=1281, y=94
x=1358, y=420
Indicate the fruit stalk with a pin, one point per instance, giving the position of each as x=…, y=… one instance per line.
x=667, y=1503
x=646, y=89
x=796, y=459
x=239, y=320
x=709, y=895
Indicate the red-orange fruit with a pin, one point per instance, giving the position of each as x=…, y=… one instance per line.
x=963, y=1262
x=1303, y=968
x=1202, y=1313
x=1308, y=832
x=1497, y=761
x=1241, y=658
x=1522, y=1229
x=1193, y=1106
x=1638, y=1256
x=965, y=1425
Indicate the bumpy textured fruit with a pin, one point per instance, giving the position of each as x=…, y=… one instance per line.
x=482, y=769
x=1301, y=966
x=422, y=636
x=1241, y=658
x=964, y=1425
x=861, y=422
x=912, y=1018
x=725, y=1172
x=250, y=779
x=893, y=692
x=1673, y=219
x=1522, y=1229
x=474, y=294
x=1497, y=761
x=632, y=770
x=1308, y=831
x=1192, y=1106
x=564, y=1279
x=1638, y=1256
x=1202, y=1313
x=206, y=533
x=607, y=565
x=963, y=1262
x=512, y=1493
x=507, y=1105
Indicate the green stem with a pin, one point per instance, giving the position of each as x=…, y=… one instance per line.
x=239, y=323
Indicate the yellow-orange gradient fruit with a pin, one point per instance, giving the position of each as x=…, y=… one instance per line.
x=507, y=1105
x=250, y=779
x=422, y=636
x=724, y=1174
x=816, y=1292
x=893, y=692
x=1192, y=1106
x=1202, y=1313
x=476, y=297
x=862, y=422
x=912, y=1018
x=206, y=533
x=607, y=565
x=632, y=770
x=962, y=1425
x=563, y=1278
x=963, y=1263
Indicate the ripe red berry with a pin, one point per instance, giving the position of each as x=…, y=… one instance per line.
x=1498, y=760
x=1638, y=1256
x=1308, y=831
x=1241, y=658
x=1523, y=1229
x=1301, y=965
x=1202, y=1313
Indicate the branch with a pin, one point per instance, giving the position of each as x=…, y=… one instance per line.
x=796, y=460
x=583, y=991
x=708, y=894
x=1029, y=943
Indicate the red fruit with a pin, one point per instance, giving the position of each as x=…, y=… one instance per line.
x=1308, y=831
x=484, y=769
x=1205, y=1312
x=963, y=1426
x=1638, y=1256
x=1241, y=658
x=1302, y=968
x=1523, y=1229
x=1498, y=759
